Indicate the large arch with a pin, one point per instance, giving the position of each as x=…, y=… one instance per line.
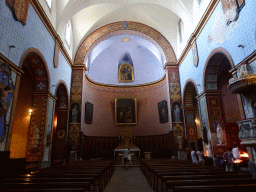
x=120, y=28
x=214, y=60
x=60, y=125
x=191, y=116
x=222, y=105
x=29, y=122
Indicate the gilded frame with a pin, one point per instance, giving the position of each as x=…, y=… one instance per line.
x=129, y=77
x=125, y=111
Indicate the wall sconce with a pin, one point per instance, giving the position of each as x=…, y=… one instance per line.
x=30, y=111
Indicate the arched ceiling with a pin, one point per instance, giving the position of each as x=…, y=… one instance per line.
x=87, y=16
x=103, y=61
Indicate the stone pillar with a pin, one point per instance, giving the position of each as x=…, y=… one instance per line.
x=78, y=73
x=176, y=111
x=38, y=126
x=211, y=116
x=61, y=133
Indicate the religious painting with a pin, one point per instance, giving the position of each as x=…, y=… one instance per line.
x=125, y=111
x=195, y=53
x=231, y=9
x=177, y=115
x=6, y=94
x=56, y=54
x=163, y=111
x=88, y=112
x=126, y=73
x=75, y=113
x=19, y=9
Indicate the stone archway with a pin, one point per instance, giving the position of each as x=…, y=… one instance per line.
x=127, y=27
x=60, y=125
x=29, y=126
x=190, y=106
x=222, y=105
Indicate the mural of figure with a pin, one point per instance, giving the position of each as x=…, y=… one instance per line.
x=177, y=114
x=74, y=114
x=126, y=73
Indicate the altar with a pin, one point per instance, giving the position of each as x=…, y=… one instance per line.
x=135, y=153
x=121, y=150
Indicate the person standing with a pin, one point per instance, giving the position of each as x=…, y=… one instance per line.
x=130, y=158
x=228, y=159
x=194, y=157
x=126, y=153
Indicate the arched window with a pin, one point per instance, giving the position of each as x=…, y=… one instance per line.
x=180, y=30
x=68, y=32
x=49, y=3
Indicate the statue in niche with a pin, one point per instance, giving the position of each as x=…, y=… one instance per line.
x=176, y=112
x=74, y=114
x=220, y=135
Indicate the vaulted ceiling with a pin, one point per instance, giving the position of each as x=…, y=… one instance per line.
x=88, y=15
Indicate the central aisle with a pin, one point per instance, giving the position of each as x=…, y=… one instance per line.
x=128, y=181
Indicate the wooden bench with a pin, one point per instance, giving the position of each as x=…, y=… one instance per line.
x=170, y=184
x=46, y=185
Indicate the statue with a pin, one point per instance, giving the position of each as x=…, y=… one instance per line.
x=177, y=114
x=220, y=135
x=74, y=114
x=179, y=139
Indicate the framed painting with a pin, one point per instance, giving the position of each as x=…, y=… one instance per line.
x=126, y=73
x=125, y=111
x=88, y=112
x=163, y=111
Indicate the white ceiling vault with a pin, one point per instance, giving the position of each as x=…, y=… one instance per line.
x=88, y=15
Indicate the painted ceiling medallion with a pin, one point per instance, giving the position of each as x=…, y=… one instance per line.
x=125, y=39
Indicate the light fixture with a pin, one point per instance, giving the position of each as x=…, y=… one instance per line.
x=30, y=111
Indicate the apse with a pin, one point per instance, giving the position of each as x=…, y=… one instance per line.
x=104, y=60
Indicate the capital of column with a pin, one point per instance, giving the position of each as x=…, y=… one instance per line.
x=208, y=93
x=81, y=66
x=170, y=64
x=47, y=93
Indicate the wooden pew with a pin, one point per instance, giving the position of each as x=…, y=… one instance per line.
x=170, y=184
x=46, y=185
x=88, y=175
x=214, y=188
x=47, y=190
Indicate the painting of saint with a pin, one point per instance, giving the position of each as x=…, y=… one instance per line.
x=125, y=111
x=231, y=9
x=88, y=112
x=126, y=73
x=195, y=53
x=163, y=111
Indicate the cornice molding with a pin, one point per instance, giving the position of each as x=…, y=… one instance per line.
x=125, y=86
x=47, y=93
x=198, y=29
x=80, y=66
x=170, y=64
x=13, y=67
x=208, y=93
x=248, y=60
x=51, y=30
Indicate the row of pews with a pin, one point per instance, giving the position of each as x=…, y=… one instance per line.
x=79, y=176
x=172, y=175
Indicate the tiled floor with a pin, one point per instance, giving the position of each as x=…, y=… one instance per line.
x=128, y=181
